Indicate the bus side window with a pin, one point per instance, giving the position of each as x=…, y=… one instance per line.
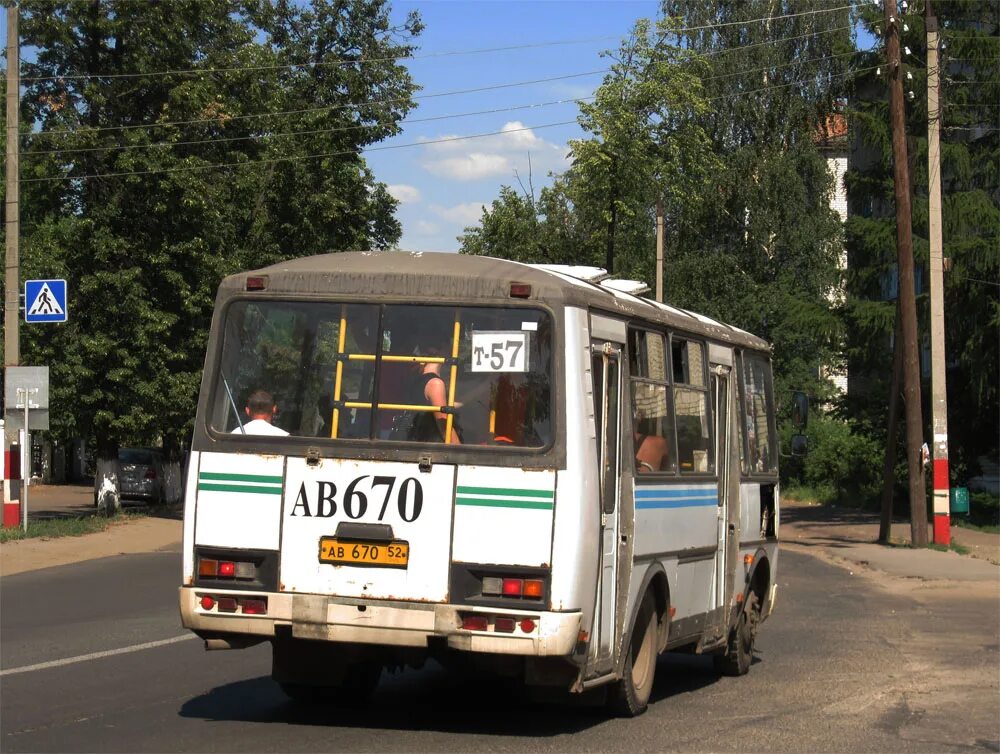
x=694, y=432
x=652, y=433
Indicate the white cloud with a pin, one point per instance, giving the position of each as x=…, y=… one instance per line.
x=425, y=228
x=498, y=155
x=403, y=193
x=470, y=167
x=467, y=213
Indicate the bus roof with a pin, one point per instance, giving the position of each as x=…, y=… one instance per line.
x=428, y=275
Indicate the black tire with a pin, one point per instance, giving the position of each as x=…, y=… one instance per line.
x=354, y=690
x=629, y=697
x=739, y=654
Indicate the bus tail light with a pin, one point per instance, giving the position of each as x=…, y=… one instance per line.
x=504, y=625
x=253, y=606
x=227, y=604
x=520, y=290
x=534, y=588
x=207, y=602
x=527, y=625
x=492, y=585
x=513, y=587
x=211, y=568
x=476, y=623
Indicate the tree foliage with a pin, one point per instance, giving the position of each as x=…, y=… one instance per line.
x=717, y=116
x=128, y=112
x=970, y=171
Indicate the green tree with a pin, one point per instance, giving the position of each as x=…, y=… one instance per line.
x=762, y=252
x=129, y=111
x=970, y=170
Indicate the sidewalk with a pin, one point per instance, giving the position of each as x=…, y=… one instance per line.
x=160, y=531
x=849, y=535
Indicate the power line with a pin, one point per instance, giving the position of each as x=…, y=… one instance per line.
x=451, y=53
x=365, y=150
x=125, y=147
x=128, y=147
x=402, y=99
x=295, y=158
x=342, y=106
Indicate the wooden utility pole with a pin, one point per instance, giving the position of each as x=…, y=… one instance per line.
x=907, y=293
x=659, y=250
x=889, y=462
x=12, y=277
x=939, y=393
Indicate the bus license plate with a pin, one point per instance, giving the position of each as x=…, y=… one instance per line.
x=360, y=552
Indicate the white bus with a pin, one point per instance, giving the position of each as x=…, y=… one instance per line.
x=400, y=456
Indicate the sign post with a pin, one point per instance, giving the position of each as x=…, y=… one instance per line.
x=26, y=397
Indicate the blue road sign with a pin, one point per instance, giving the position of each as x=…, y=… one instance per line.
x=45, y=301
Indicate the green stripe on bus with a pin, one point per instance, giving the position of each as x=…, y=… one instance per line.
x=505, y=492
x=239, y=488
x=504, y=503
x=212, y=475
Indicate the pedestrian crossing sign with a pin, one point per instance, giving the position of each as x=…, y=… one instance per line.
x=45, y=301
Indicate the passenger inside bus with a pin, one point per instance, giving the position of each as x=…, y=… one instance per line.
x=260, y=410
x=651, y=451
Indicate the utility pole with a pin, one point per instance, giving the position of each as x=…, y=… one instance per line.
x=659, y=250
x=907, y=293
x=939, y=393
x=889, y=462
x=12, y=278
x=12, y=271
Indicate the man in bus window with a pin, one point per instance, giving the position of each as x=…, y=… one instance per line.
x=651, y=451
x=260, y=410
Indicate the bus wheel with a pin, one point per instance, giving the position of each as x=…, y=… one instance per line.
x=739, y=653
x=630, y=696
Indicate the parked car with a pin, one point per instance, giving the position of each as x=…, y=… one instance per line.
x=141, y=474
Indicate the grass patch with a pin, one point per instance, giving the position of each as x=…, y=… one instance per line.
x=965, y=524
x=945, y=548
x=804, y=494
x=65, y=527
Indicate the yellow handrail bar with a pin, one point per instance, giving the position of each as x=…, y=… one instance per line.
x=342, y=335
x=450, y=420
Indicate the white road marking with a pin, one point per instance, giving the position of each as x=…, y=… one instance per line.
x=96, y=655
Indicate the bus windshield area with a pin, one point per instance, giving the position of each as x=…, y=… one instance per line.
x=391, y=372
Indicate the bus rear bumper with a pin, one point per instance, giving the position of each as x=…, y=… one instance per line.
x=398, y=624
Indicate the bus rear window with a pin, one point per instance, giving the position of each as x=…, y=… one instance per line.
x=400, y=373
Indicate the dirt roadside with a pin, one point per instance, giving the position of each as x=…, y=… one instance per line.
x=121, y=538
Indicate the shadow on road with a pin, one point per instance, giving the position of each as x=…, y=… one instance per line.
x=434, y=700
x=830, y=526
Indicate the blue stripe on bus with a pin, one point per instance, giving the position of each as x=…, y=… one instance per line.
x=645, y=492
x=675, y=497
x=677, y=502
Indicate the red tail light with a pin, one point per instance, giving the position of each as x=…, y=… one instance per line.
x=253, y=606
x=512, y=587
x=150, y=473
x=227, y=604
x=504, y=625
x=207, y=602
x=476, y=623
x=227, y=568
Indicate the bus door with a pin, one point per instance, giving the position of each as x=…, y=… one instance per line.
x=728, y=513
x=606, y=371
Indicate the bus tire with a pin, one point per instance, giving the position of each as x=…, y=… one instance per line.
x=629, y=697
x=739, y=653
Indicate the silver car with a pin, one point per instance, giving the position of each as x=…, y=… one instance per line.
x=141, y=475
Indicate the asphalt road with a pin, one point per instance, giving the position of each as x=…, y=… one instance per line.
x=844, y=665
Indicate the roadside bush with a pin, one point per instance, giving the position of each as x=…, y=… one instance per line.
x=843, y=464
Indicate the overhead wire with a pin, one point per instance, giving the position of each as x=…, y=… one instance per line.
x=451, y=53
x=151, y=145
x=352, y=152
x=163, y=124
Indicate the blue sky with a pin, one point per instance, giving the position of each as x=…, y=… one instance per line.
x=441, y=187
